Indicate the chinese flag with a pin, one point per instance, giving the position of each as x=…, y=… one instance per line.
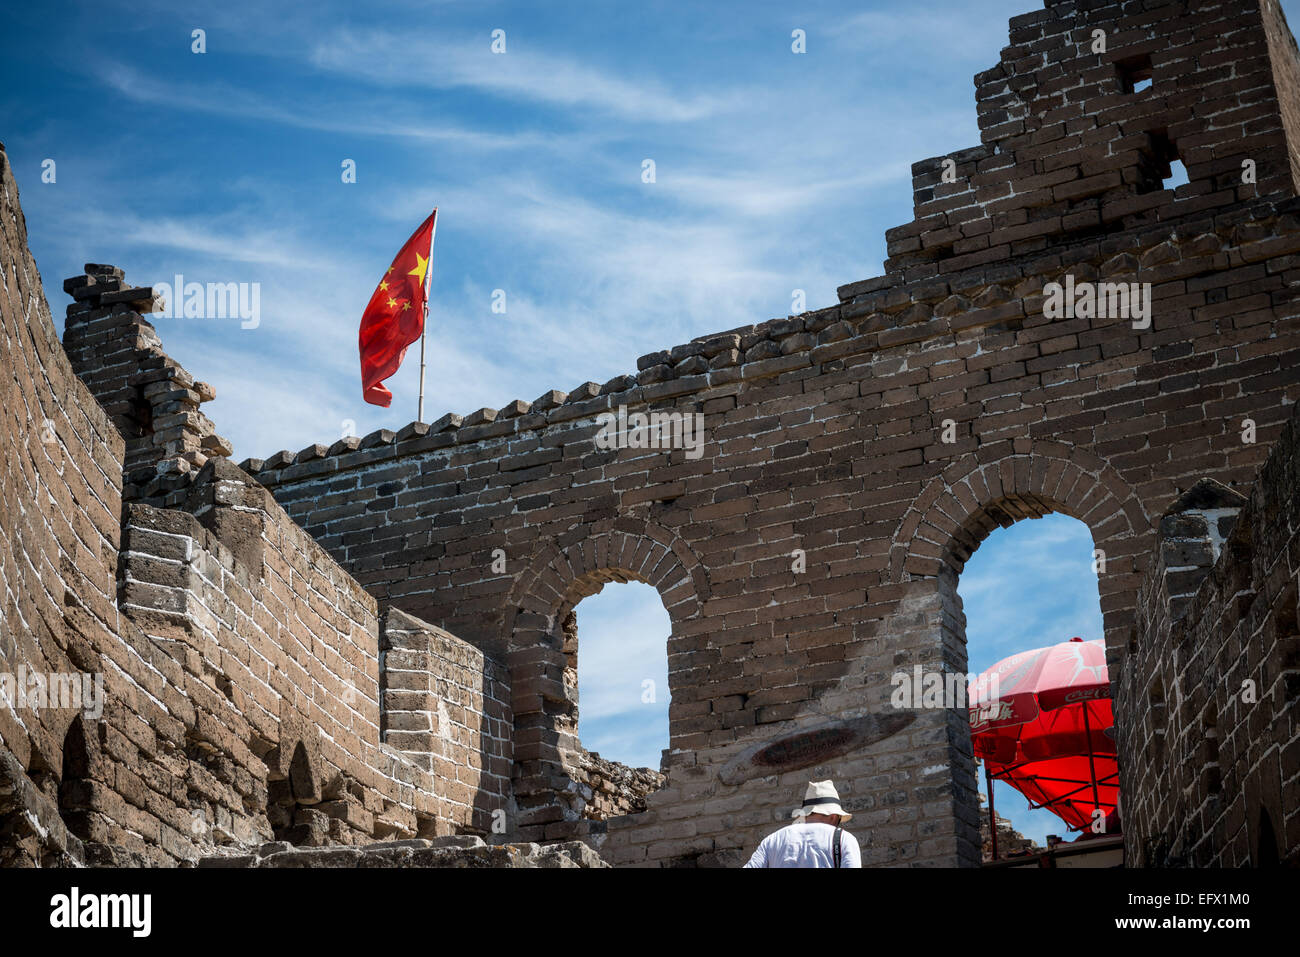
x=395, y=316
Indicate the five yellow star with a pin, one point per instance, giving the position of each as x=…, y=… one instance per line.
x=384, y=285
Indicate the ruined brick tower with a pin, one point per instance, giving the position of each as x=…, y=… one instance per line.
x=252, y=605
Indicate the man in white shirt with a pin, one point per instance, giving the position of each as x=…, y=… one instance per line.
x=816, y=839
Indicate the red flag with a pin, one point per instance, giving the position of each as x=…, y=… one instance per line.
x=395, y=316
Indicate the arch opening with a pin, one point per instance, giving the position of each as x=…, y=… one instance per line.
x=602, y=654
x=556, y=781
x=618, y=659
x=960, y=508
x=1029, y=584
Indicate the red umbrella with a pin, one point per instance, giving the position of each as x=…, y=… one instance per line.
x=1042, y=721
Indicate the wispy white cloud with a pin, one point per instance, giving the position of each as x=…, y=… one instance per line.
x=522, y=73
x=925, y=34
x=400, y=120
x=770, y=195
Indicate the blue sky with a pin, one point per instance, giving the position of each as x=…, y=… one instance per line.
x=623, y=643
x=775, y=172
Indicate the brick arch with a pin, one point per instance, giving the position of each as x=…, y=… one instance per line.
x=549, y=802
x=558, y=575
x=959, y=508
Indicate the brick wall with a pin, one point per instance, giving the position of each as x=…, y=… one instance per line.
x=1069, y=147
x=239, y=663
x=1211, y=770
x=615, y=789
x=824, y=434
x=446, y=707
x=60, y=498
x=1285, y=60
x=280, y=651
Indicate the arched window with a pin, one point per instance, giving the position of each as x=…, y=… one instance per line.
x=618, y=656
x=1027, y=586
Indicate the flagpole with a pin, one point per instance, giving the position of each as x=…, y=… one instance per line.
x=419, y=414
x=424, y=327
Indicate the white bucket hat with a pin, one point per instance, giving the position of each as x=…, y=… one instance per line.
x=821, y=798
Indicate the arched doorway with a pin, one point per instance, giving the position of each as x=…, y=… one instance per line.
x=1027, y=586
x=958, y=510
x=553, y=773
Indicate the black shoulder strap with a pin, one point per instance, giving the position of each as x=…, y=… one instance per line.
x=838, y=832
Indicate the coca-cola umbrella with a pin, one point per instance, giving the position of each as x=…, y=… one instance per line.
x=1042, y=721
